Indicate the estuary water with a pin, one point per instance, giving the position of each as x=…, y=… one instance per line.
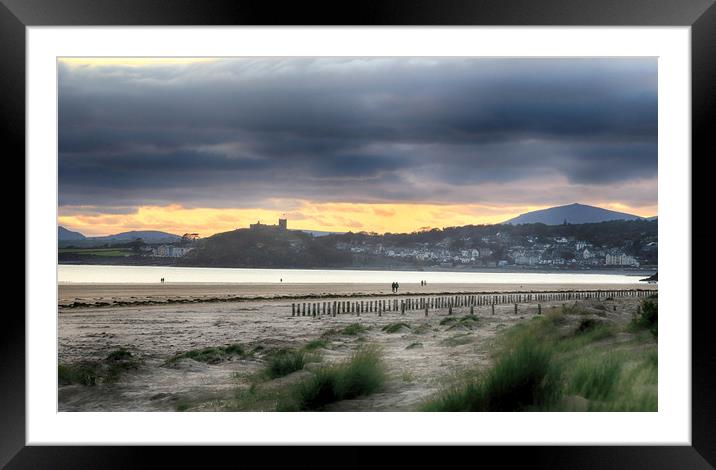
x=97, y=274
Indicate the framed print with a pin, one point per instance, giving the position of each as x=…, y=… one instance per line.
x=412, y=226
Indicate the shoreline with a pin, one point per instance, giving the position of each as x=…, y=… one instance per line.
x=78, y=296
x=634, y=271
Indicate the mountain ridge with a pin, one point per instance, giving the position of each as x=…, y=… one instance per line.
x=572, y=214
x=64, y=234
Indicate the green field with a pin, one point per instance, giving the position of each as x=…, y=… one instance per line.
x=97, y=251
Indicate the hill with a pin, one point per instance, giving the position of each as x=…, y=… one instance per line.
x=67, y=238
x=572, y=214
x=266, y=248
x=64, y=234
x=145, y=235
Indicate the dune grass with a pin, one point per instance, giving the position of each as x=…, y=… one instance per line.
x=395, y=327
x=523, y=379
x=354, y=329
x=362, y=374
x=315, y=344
x=107, y=370
x=647, y=317
x=421, y=329
x=595, y=377
x=452, y=321
x=211, y=355
x=286, y=361
x=457, y=340
x=546, y=363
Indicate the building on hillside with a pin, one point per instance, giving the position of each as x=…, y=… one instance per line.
x=620, y=259
x=170, y=251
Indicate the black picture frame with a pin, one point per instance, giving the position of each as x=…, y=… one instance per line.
x=16, y=15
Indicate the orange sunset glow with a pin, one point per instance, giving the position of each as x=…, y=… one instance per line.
x=329, y=217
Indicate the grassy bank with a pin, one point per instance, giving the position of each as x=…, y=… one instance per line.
x=104, y=371
x=568, y=360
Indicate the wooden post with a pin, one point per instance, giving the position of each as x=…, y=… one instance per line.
x=515, y=309
x=472, y=309
x=493, y=308
x=426, y=309
x=293, y=309
x=450, y=308
x=539, y=309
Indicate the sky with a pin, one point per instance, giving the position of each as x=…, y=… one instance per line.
x=350, y=144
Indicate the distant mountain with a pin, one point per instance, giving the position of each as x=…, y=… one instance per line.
x=143, y=234
x=656, y=217
x=573, y=214
x=64, y=234
x=319, y=233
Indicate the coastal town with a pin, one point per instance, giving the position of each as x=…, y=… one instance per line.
x=606, y=245
x=501, y=250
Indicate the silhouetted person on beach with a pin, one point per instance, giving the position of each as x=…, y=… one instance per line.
x=397, y=286
x=162, y=280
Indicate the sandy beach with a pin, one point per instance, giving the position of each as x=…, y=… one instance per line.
x=418, y=356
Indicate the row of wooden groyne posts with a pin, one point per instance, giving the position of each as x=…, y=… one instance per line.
x=427, y=303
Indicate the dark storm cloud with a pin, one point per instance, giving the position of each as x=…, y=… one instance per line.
x=235, y=132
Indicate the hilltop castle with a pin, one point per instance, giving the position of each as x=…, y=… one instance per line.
x=282, y=225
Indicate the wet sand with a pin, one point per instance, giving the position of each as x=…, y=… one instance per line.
x=155, y=333
x=84, y=295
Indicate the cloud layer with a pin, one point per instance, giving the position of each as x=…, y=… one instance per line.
x=238, y=133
